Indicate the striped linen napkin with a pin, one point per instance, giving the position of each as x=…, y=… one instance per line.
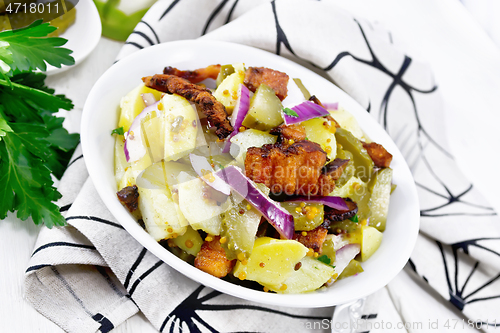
x=92, y=275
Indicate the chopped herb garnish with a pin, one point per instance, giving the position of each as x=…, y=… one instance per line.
x=307, y=138
x=355, y=218
x=290, y=112
x=324, y=259
x=118, y=131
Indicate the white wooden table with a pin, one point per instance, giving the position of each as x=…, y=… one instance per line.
x=467, y=69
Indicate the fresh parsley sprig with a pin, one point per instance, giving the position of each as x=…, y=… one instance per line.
x=33, y=143
x=325, y=260
x=290, y=112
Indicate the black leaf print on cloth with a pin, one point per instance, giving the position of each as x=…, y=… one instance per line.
x=169, y=8
x=212, y=16
x=280, y=34
x=459, y=296
x=471, y=285
x=187, y=314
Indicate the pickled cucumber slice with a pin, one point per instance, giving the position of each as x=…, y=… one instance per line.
x=301, y=219
x=362, y=161
x=379, y=201
x=353, y=268
x=239, y=226
x=265, y=109
x=190, y=241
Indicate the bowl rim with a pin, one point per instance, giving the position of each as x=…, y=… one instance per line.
x=309, y=300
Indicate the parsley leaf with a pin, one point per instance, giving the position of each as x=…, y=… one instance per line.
x=4, y=128
x=290, y=112
x=34, y=146
x=31, y=50
x=27, y=180
x=355, y=218
x=118, y=131
x=324, y=259
x=5, y=57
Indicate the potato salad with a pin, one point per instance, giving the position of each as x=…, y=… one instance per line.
x=244, y=174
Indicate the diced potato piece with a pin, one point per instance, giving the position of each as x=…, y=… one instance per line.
x=190, y=241
x=272, y=261
x=311, y=275
x=227, y=91
x=181, y=127
x=370, y=242
x=379, y=201
x=354, y=187
x=120, y=161
x=161, y=173
x=348, y=122
x=132, y=104
x=153, y=135
x=173, y=132
x=201, y=213
x=247, y=139
x=129, y=178
x=324, y=135
x=265, y=109
x=160, y=212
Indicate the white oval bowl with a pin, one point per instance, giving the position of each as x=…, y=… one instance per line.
x=100, y=117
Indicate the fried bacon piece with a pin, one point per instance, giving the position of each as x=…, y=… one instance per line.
x=255, y=76
x=293, y=132
x=380, y=157
x=289, y=169
x=330, y=173
x=129, y=197
x=334, y=215
x=315, y=100
x=314, y=238
x=213, y=109
x=196, y=76
x=212, y=259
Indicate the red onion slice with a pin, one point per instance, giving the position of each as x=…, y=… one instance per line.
x=277, y=216
x=148, y=99
x=343, y=257
x=302, y=112
x=134, y=148
x=203, y=168
x=331, y=106
x=239, y=113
